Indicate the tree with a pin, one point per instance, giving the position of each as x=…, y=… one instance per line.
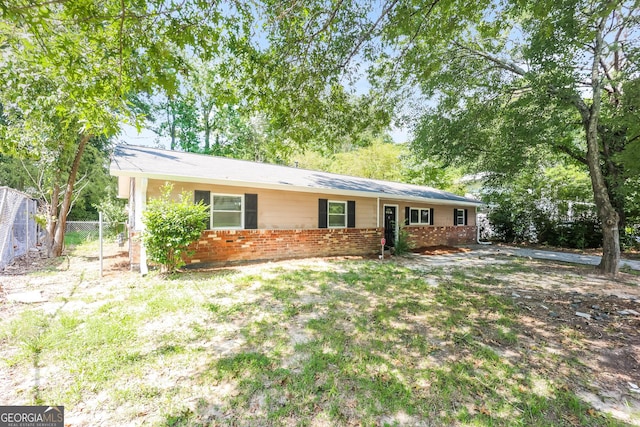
x=180, y=122
x=385, y=160
x=69, y=69
x=528, y=78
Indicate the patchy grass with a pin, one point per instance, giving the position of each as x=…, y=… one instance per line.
x=304, y=343
x=74, y=238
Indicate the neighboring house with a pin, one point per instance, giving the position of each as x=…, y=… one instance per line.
x=264, y=212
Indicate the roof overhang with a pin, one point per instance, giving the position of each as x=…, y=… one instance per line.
x=285, y=187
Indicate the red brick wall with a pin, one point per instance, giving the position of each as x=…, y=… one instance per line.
x=433, y=236
x=255, y=245
x=245, y=245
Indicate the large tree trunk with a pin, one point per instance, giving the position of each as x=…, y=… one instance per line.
x=606, y=212
x=58, y=241
x=52, y=214
x=172, y=131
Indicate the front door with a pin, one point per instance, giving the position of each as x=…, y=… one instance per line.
x=390, y=224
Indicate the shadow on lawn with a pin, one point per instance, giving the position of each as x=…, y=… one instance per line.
x=377, y=344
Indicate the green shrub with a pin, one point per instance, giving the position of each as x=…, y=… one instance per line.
x=171, y=226
x=630, y=238
x=583, y=232
x=403, y=245
x=511, y=224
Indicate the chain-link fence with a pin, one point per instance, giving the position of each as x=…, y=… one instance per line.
x=18, y=228
x=81, y=231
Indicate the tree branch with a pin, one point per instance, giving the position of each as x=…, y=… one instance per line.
x=326, y=25
x=568, y=151
x=505, y=65
x=121, y=44
x=368, y=33
x=412, y=39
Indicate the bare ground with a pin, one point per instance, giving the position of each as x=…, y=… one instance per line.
x=561, y=298
x=550, y=294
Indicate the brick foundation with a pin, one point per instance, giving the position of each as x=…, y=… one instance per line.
x=433, y=236
x=253, y=245
x=229, y=246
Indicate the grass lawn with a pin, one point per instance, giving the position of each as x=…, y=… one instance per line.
x=315, y=342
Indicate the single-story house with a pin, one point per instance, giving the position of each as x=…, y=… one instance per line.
x=262, y=211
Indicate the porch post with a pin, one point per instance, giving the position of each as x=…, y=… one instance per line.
x=141, y=204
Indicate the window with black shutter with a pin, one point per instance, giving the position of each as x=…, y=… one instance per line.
x=420, y=216
x=204, y=197
x=459, y=217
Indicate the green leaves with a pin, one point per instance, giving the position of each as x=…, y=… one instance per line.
x=171, y=226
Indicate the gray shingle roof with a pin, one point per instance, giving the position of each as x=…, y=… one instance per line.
x=137, y=161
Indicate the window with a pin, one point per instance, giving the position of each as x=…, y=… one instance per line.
x=420, y=216
x=460, y=217
x=337, y=214
x=227, y=211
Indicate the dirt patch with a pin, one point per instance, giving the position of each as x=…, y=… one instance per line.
x=592, y=318
x=440, y=250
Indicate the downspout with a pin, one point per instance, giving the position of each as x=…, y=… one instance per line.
x=478, y=231
x=378, y=213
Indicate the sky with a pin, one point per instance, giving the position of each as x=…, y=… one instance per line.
x=148, y=138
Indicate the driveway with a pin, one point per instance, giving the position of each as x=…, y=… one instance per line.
x=554, y=256
x=481, y=254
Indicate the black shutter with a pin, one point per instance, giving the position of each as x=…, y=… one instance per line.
x=407, y=213
x=430, y=216
x=466, y=211
x=322, y=213
x=202, y=196
x=205, y=198
x=351, y=213
x=455, y=216
x=251, y=211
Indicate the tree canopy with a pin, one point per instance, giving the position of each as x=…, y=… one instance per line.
x=69, y=70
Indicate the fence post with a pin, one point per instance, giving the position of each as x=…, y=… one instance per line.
x=100, y=238
x=4, y=236
x=26, y=226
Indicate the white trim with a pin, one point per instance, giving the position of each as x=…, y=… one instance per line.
x=346, y=213
x=397, y=227
x=378, y=212
x=141, y=204
x=289, y=187
x=420, y=216
x=211, y=211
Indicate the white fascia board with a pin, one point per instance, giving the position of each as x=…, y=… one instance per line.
x=285, y=187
